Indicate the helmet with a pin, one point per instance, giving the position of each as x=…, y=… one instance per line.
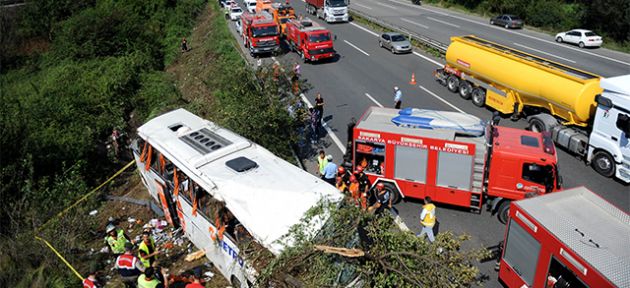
x=341, y=170
x=380, y=185
x=359, y=169
x=353, y=178
x=396, y=88
x=110, y=227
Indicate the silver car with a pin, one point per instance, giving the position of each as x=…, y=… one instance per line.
x=395, y=42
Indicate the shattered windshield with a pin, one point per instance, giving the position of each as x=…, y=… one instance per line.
x=265, y=31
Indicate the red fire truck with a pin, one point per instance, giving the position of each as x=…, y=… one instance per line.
x=454, y=158
x=311, y=41
x=260, y=33
x=569, y=239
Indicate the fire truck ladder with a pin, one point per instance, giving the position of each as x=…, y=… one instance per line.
x=478, y=173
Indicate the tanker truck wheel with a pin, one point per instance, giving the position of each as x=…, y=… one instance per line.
x=479, y=97
x=465, y=89
x=603, y=163
x=541, y=122
x=452, y=83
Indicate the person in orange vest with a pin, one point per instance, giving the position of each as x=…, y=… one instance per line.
x=427, y=219
x=129, y=267
x=354, y=189
x=196, y=280
x=90, y=281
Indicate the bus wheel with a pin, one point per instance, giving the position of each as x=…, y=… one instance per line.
x=235, y=282
x=393, y=192
x=503, y=211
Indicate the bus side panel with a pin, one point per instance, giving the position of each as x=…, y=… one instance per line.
x=148, y=178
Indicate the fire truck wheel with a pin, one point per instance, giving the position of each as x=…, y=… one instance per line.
x=465, y=89
x=503, y=211
x=479, y=97
x=235, y=282
x=393, y=192
x=452, y=83
x=603, y=163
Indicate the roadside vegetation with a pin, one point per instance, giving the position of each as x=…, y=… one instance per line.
x=608, y=18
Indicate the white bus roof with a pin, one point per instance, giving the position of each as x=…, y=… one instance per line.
x=567, y=212
x=267, y=199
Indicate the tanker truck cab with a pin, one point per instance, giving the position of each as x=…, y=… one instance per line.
x=329, y=10
x=609, y=144
x=523, y=164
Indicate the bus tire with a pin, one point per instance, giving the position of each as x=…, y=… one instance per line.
x=393, y=192
x=235, y=282
x=503, y=211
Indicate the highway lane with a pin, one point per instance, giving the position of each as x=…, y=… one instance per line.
x=441, y=24
x=363, y=68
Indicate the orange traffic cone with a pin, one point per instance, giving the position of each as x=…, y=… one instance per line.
x=413, y=79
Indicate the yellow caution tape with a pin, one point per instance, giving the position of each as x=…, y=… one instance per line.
x=86, y=195
x=61, y=257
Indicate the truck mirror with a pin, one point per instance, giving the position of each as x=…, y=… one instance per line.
x=601, y=100
x=623, y=123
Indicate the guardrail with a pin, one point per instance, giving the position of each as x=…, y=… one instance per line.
x=424, y=40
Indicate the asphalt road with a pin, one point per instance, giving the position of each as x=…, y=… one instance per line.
x=441, y=24
x=364, y=75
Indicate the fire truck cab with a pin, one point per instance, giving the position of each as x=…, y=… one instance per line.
x=260, y=33
x=454, y=158
x=569, y=239
x=310, y=40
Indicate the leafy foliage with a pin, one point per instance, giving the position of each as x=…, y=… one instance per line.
x=392, y=259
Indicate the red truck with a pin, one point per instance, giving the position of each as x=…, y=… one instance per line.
x=311, y=41
x=260, y=33
x=454, y=158
x=569, y=239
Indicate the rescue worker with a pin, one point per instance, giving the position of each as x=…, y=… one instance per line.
x=383, y=199
x=427, y=219
x=330, y=170
x=353, y=188
x=129, y=267
x=184, y=45
x=322, y=162
x=149, y=279
x=90, y=281
x=345, y=176
x=196, y=280
x=147, y=249
x=341, y=185
x=116, y=239
x=397, y=97
x=364, y=182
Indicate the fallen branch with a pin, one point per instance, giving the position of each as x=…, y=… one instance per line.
x=352, y=253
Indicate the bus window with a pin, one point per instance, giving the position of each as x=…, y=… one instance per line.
x=559, y=276
x=207, y=205
x=521, y=252
x=370, y=156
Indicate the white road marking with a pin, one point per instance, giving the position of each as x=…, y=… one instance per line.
x=515, y=33
x=364, y=29
x=428, y=59
x=442, y=99
x=355, y=47
x=542, y=52
x=366, y=7
x=332, y=134
x=373, y=100
x=443, y=22
x=385, y=5
x=414, y=23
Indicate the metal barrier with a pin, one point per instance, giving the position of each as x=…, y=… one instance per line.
x=424, y=40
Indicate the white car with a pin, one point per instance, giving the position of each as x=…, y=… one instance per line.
x=250, y=5
x=235, y=13
x=581, y=37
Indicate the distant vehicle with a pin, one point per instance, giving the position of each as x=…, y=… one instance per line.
x=250, y=6
x=395, y=42
x=508, y=21
x=417, y=2
x=310, y=40
x=581, y=37
x=238, y=26
x=226, y=3
x=235, y=13
x=329, y=10
x=586, y=114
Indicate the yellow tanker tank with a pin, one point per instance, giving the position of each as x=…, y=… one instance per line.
x=524, y=79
